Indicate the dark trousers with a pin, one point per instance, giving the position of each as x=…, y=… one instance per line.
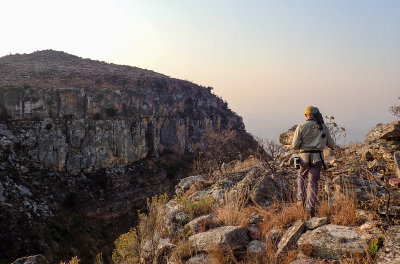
x=307, y=184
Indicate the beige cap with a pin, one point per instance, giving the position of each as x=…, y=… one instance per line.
x=311, y=110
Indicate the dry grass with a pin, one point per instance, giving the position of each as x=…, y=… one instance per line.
x=342, y=212
x=217, y=256
x=358, y=259
x=282, y=216
x=74, y=260
x=181, y=252
x=234, y=210
x=269, y=256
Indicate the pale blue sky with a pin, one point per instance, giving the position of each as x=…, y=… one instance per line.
x=268, y=59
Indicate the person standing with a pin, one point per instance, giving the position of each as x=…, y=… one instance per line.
x=310, y=139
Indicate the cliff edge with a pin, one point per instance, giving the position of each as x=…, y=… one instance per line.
x=73, y=114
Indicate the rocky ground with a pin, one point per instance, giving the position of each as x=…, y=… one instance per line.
x=243, y=213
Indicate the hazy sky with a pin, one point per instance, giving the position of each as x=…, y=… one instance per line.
x=267, y=59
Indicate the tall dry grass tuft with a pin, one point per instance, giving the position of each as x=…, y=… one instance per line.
x=217, y=256
x=181, y=252
x=357, y=259
x=342, y=212
x=234, y=210
x=282, y=216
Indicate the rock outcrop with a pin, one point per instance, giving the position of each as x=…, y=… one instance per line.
x=226, y=238
x=384, y=132
x=74, y=114
x=37, y=259
x=333, y=242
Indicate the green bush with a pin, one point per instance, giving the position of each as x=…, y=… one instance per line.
x=127, y=248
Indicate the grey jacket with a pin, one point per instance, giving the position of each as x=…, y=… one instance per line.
x=308, y=137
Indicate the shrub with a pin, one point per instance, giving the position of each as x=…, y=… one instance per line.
x=49, y=126
x=128, y=246
x=337, y=132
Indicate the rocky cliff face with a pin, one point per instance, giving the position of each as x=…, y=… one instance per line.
x=74, y=114
x=84, y=143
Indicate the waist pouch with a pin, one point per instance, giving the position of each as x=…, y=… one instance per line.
x=309, y=157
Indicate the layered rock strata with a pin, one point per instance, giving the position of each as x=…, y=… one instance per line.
x=74, y=114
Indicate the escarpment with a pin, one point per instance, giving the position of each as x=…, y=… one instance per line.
x=78, y=115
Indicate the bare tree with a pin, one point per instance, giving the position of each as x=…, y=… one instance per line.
x=221, y=147
x=270, y=151
x=395, y=109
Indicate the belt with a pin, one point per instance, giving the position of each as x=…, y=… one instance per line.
x=309, y=156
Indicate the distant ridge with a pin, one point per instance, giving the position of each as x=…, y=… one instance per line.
x=49, y=68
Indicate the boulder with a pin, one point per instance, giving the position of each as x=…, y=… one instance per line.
x=274, y=234
x=291, y=236
x=226, y=238
x=256, y=247
x=185, y=183
x=387, y=132
x=175, y=218
x=201, y=224
x=37, y=259
x=390, y=252
x=199, y=259
x=333, y=242
x=362, y=189
x=286, y=138
x=315, y=222
x=263, y=188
